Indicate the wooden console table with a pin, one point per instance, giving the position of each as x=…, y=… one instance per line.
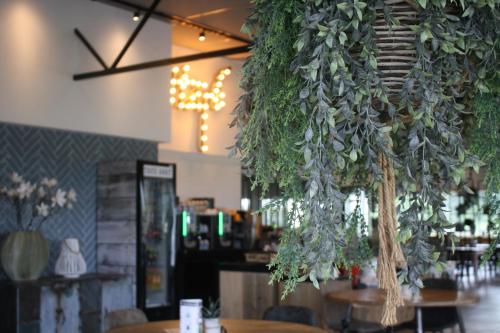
x=20, y=302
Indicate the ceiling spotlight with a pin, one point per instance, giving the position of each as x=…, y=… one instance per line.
x=136, y=16
x=202, y=36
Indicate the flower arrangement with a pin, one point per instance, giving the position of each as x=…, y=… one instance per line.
x=35, y=203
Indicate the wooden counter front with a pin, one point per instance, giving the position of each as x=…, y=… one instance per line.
x=246, y=295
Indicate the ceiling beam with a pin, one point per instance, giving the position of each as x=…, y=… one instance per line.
x=90, y=48
x=124, y=4
x=163, y=62
x=136, y=32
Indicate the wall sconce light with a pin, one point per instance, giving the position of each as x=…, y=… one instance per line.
x=187, y=93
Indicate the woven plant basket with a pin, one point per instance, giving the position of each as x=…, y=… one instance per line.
x=396, y=45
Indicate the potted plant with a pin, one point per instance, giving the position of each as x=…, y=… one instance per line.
x=211, y=317
x=25, y=252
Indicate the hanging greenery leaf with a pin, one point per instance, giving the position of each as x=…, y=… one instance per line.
x=322, y=102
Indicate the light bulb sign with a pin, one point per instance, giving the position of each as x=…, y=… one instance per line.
x=187, y=93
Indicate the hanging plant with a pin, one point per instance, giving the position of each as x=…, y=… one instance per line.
x=372, y=92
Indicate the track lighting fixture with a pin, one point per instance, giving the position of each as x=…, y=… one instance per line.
x=202, y=36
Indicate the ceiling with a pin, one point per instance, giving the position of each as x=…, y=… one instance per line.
x=224, y=16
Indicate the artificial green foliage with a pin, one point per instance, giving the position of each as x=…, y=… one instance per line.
x=316, y=115
x=271, y=89
x=357, y=241
x=484, y=138
x=484, y=135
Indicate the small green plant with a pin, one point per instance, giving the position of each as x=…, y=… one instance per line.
x=213, y=309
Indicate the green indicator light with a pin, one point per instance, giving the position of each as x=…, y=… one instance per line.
x=221, y=224
x=184, y=223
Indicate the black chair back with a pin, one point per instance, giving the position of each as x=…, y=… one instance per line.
x=292, y=314
x=447, y=284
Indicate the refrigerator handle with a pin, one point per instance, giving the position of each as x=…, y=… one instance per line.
x=173, y=238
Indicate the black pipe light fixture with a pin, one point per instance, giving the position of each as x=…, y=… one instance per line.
x=136, y=17
x=201, y=36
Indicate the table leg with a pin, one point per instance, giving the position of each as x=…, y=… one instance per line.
x=420, y=324
x=475, y=262
x=347, y=319
x=461, y=325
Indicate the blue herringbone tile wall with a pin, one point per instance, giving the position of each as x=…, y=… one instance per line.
x=72, y=158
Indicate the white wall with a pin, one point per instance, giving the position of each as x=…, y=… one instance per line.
x=206, y=176
x=185, y=124
x=40, y=53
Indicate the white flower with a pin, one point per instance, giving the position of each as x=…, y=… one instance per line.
x=24, y=190
x=52, y=182
x=72, y=195
x=43, y=209
x=12, y=193
x=59, y=199
x=15, y=178
x=44, y=181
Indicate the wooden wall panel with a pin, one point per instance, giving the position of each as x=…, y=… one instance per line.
x=246, y=295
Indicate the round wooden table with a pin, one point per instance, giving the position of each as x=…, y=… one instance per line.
x=231, y=325
x=426, y=298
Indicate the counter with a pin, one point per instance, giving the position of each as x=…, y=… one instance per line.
x=243, y=267
x=245, y=293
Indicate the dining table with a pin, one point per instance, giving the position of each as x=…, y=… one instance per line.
x=230, y=325
x=424, y=298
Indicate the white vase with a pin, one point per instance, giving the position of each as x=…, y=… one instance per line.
x=70, y=263
x=212, y=325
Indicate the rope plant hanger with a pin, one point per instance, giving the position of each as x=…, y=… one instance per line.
x=362, y=92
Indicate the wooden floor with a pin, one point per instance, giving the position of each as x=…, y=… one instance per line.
x=484, y=317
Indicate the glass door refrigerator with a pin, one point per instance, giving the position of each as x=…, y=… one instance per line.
x=156, y=244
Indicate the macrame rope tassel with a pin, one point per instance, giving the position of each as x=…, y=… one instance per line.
x=390, y=253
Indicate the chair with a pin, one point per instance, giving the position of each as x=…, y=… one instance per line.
x=124, y=317
x=352, y=325
x=292, y=314
x=437, y=319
